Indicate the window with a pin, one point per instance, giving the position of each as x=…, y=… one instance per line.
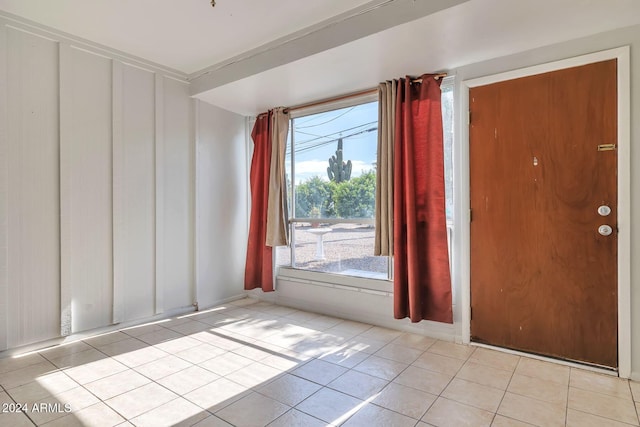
x=448, y=134
x=447, y=126
x=331, y=178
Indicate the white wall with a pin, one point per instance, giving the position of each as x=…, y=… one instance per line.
x=86, y=177
x=175, y=243
x=96, y=187
x=221, y=200
x=138, y=193
x=31, y=231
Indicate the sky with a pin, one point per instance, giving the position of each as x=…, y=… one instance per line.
x=316, y=140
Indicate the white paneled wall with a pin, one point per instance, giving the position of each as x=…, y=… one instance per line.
x=97, y=196
x=86, y=177
x=175, y=202
x=138, y=192
x=221, y=200
x=33, y=197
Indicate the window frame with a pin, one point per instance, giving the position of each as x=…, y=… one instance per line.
x=357, y=283
x=375, y=284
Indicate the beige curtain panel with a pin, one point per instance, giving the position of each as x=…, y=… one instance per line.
x=277, y=212
x=384, y=177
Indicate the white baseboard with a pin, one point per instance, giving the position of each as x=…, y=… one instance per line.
x=223, y=301
x=29, y=348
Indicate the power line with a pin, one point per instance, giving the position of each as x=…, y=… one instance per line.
x=328, y=121
x=310, y=134
x=333, y=133
x=323, y=143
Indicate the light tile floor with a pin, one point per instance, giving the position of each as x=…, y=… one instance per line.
x=252, y=363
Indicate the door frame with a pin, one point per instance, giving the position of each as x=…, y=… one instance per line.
x=622, y=54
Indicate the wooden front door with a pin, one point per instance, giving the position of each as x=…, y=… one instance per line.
x=543, y=276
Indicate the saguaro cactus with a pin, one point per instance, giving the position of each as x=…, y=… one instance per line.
x=339, y=170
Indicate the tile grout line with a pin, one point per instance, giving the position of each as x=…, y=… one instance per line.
x=445, y=387
x=3, y=389
x=63, y=371
x=566, y=408
x=372, y=402
x=439, y=395
x=457, y=372
x=291, y=409
x=633, y=400
x=151, y=382
x=89, y=391
x=540, y=400
x=507, y=388
x=100, y=400
x=353, y=369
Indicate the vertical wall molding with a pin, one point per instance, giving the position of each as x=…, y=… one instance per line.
x=195, y=110
x=66, y=120
x=117, y=195
x=248, y=147
x=625, y=284
x=192, y=198
x=4, y=192
x=159, y=189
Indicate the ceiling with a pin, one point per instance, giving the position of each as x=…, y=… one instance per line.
x=242, y=38
x=468, y=33
x=186, y=35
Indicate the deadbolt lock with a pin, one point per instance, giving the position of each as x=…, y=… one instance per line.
x=604, y=210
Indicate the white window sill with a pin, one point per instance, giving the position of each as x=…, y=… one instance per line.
x=338, y=281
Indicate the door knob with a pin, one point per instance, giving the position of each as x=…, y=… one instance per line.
x=605, y=230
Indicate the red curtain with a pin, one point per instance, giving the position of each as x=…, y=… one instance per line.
x=422, y=280
x=259, y=266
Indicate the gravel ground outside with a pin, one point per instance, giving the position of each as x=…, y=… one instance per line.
x=348, y=249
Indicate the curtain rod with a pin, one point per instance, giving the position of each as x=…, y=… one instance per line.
x=349, y=96
x=435, y=76
x=330, y=100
